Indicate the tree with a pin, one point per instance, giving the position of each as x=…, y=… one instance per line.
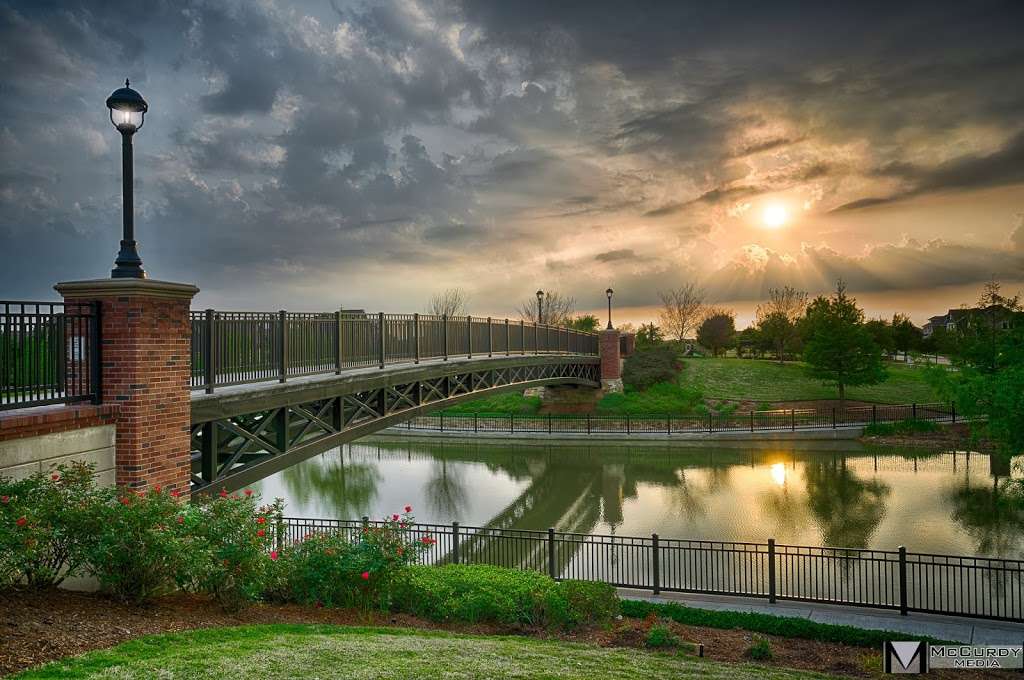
x=648, y=335
x=588, y=323
x=840, y=350
x=717, y=332
x=777, y=318
x=881, y=333
x=558, y=309
x=451, y=302
x=905, y=335
x=682, y=309
x=750, y=340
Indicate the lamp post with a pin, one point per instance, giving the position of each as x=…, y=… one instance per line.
x=540, y=306
x=609, y=293
x=127, y=113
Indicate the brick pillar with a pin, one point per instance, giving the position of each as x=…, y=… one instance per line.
x=611, y=362
x=145, y=367
x=628, y=344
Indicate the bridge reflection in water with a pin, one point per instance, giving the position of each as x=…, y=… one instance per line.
x=943, y=502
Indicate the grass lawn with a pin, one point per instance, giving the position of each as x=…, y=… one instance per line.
x=310, y=651
x=762, y=380
x=510, y=402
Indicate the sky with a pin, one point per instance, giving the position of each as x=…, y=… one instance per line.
x=309, y=155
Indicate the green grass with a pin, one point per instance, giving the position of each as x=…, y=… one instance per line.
x=510, y=402
x=782, y=626
x=761, y=380
x=658, y=399
x=289, y=651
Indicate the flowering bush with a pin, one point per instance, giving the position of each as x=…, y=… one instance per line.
x=233, y=543
x=44, y=524
x=142, y=545
x=359, y=570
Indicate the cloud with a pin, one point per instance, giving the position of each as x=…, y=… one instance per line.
x=617, y=255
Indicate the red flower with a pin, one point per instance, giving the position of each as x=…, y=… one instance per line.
x=5, y=499
x=400, y=551
x=21, y=521
x=175, y=493
x=427, y=540
x=126, y=500
x=248, y=492
x=55, y=476
x=223, y=493
x=394, y=518
x=261, y=533
x=408, y=508
x=181, y=520
x=157, y=489
x=366, y=576
x=261, y=520
x=273, y=554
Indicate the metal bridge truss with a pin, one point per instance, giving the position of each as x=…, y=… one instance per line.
x=231, y=451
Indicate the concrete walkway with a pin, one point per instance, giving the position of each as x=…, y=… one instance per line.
x=953, y=628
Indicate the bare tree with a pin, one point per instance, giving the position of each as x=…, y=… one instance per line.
x=778, y=317
x=557, y=309
x=682, y=310
x=451, y=302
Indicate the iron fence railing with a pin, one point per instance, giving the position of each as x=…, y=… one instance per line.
x=49, y=353
x=234, y=348
x=983, y=587
x=753, y=421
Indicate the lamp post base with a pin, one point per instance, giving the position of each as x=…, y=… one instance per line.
x=128, y=264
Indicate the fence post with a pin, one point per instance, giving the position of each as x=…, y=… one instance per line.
x=96, y=355
x=709, y=422
x=792, y=419
x=655, y=565
x=536, y=338
x=337, y=343
x=444, y=334
x=771, y=570
x=508, y=339
x=913, y=411
x=549, y=423
x=522, y=336
x=903, y=581
x=455, y=542
x=628, y=428
x=442, y=421
x=416, y=337
x=952, y=411
x=511, y=423
x=211, y=348
x=588, y=423
x=282, y=367
x=668, y=424
x=833, y=417
x=551, y=553
x=490, y=338
x=475, y=426
x=469, y=337
x=751, y=421
x=279, y=533
x=380, y=331
x=874, y=414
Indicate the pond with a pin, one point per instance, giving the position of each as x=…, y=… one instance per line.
x=942, y=502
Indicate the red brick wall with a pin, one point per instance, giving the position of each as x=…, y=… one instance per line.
x=611, y=366
x=32, y=422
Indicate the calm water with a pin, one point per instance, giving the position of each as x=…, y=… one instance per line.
x=938, y=502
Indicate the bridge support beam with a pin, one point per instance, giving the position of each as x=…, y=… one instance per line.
x=145, y=370
x=611, y=360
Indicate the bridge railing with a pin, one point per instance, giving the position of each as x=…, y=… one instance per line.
x=49, y=353
x=235, y=348
x=958, y=585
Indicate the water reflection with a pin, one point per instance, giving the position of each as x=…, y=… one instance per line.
x=936, y=502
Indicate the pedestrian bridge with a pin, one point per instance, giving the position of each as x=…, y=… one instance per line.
x=270, y=390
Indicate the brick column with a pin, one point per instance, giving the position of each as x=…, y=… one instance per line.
x=611, y=363
x=145, y=367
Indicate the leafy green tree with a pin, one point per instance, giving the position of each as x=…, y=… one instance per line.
x=648, y=335
x=777, y=318
x=840, y=350
x=717, y=332
x=881, y=332
x=751, y=340
x=905, y=335
x=588, y=323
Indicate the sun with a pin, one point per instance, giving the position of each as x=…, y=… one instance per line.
x=775, y=215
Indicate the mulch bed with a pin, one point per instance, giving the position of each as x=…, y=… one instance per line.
x=36, y=627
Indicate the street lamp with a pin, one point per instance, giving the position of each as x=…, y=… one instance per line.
x=127, y=112
x=540, y=306
x=609, y=293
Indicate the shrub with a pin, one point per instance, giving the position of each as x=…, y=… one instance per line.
x=142, y=545
x=575, y=603
x=761, y=650
x=660, y=637
x=233, y=544
x=649, y=366
x=334, y=570
x=45, y=524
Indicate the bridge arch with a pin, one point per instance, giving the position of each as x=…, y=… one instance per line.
x=244, y=433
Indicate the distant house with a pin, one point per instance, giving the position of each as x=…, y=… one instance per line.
x=955, y=318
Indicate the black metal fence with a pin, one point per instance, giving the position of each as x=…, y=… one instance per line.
x=888, y=579
x=753, y=421
x=49, y=353
x=234, y=348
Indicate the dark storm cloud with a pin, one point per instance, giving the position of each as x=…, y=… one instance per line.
x=617, y=255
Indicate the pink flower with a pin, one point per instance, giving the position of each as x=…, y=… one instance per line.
x=394, y=518
x=5, y=499
x=273, y=554
x=248, y=492
x=181, y=520
x=261, y=533
x=408, y=508
x=55, y=476
x=223, y=493
x=21, y=521
x=366, y=576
